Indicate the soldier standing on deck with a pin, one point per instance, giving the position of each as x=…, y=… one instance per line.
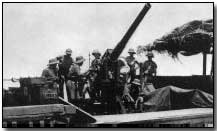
x=149, y=68
x=50, y=73
x=95, y=64
x=74, y=78
x=95, y=68
x=65, y=63
x=131, y=61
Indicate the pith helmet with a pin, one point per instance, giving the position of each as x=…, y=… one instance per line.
x=131, y=51
x=150, y=54
x=136, y=82
x=79, y=59
x=53, y=62
x=68, y=51
x=96, y=52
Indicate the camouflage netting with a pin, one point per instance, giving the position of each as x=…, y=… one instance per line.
x=189, y=39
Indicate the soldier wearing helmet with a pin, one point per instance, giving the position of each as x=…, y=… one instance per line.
x=94, y=78
x=51, y=72
x=131, y=61
x=65, y=63
x=149, y=68
x=95, y=64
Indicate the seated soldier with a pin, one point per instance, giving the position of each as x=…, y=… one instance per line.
x=50, y=73
x=131, y=93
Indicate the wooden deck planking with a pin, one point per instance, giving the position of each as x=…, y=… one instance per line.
x=167, y=117
x=36, y=112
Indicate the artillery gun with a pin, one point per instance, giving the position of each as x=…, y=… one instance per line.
x=108, y=76
x=32, y=88
x=70, y=115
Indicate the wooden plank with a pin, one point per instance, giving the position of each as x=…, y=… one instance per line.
x=32, y=110
x=29, y=117
x=69, y=109
x=39, y=112
x=160, y=116
x=83, y=115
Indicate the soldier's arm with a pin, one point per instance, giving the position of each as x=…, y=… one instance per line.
x=44, y=73
x=70, y=71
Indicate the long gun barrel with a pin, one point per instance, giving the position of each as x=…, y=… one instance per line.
x=121, y=45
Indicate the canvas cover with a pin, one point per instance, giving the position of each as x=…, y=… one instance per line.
x=171, y=98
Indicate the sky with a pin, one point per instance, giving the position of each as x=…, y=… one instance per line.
x=33, y=33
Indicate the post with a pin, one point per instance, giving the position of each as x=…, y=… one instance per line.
x=89, y=59
x=204, y=63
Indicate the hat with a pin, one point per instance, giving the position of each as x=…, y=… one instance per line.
x=150, y=54
x=136, y=82
x=131, y=51
x=53, y=61
x=79, y=59
x=96, y=52
x=68, y=51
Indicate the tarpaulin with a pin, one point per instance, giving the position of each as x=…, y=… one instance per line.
x=171, y=98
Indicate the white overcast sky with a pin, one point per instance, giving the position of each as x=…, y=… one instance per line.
x=35, y=32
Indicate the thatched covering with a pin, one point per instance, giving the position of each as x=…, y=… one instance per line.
x=189, y=39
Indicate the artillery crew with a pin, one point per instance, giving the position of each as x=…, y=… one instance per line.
x=77, y=84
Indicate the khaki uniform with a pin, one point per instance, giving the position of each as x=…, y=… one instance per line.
x=148, y=70
x=149, y=67
x=65, y=63
x=73, y=82
x=95, y=64
x=50, y=74
x=131, y=61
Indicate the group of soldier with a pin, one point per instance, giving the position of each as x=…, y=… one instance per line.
x=63, y=70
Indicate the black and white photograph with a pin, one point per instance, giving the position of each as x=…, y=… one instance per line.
x=108, y=65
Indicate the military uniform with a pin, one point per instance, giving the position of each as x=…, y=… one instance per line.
x=65, y=63
x=51, y=73
x=73, y=84
x=131, y=61
x=95, y=64
x=149, y=68
x=95, y=68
